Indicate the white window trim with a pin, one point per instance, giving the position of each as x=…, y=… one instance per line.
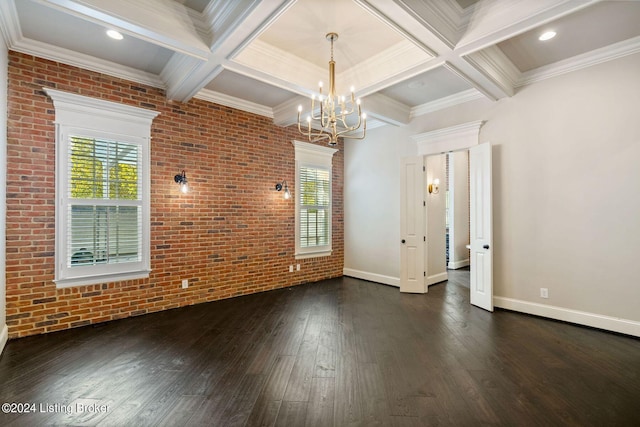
x=116, y=121
x=317, y=156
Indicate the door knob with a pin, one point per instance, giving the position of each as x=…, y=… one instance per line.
x=403, y=241
x=486, y=246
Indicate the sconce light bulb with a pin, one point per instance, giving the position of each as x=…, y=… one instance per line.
x=436, y=181
x=184, y=188
x=287, y=194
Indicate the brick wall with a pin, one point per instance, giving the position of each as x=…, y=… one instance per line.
x=231, y=235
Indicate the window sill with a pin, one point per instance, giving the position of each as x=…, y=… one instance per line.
x=106, y=278
x=313, y=254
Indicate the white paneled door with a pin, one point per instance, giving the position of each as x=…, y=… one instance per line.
x=481, y=279
x=412, y=211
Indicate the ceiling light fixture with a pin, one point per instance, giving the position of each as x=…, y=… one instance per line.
x=114, y=35
x=336, y=117
x=548, y=35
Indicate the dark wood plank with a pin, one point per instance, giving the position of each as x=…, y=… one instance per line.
x=334, y=353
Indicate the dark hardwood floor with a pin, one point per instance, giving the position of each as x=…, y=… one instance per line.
x=341, y=352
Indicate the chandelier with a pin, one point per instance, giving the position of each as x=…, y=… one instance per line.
x=337, y=116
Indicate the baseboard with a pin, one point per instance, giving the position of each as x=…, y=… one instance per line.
x=372, y=277
x=614, y=324
x=4, y=336
x=458, y=264
x=437, y=278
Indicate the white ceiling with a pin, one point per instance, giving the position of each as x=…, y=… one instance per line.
x=404, y=57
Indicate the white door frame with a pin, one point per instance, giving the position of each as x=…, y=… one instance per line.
x=455, y=138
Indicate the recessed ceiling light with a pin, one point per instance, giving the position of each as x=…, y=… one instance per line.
x=114, y=34
x=547, y=35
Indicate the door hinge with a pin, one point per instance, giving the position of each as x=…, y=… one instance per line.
x=424, y=203
x=424, y=169
x=424, y=238
x=424, y=273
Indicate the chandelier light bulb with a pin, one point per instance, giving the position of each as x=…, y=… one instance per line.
x=352, y=89
x=299, y=108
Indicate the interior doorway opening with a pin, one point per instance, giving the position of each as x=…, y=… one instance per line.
x=457, y=210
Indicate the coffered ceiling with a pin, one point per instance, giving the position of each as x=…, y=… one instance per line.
x=404, y=57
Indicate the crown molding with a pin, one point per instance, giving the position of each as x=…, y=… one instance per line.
x=223, y=17
x=396, y=60
x=495, y=21
x=393, y=24
x=386, y=109
x=444, y=18
x=9, y=23
x=232, y=102
x=87, y=62
x=163, y=23
x=268, y=59
x=495, y=66
x=285, y=113
x=585, y=60
x=448, y=139
x=446, y=102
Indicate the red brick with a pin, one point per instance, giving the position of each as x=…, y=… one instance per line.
x=231, y=235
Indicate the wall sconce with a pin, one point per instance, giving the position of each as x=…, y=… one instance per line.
x=280, y=185
x=181, y=179
x=434, y=188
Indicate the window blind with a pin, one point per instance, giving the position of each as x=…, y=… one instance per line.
x=105, y=208
x=314, y=206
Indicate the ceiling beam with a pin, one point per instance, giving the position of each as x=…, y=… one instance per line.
x=164, y=23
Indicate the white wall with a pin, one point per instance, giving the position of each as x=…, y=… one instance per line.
x=436, y=262
x=459, y=209
x=371, y=204
x=4, y=63
x=566, y=194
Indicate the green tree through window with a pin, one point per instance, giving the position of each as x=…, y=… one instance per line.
x=103, y=232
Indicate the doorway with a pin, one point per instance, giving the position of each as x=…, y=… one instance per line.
x=461, y=137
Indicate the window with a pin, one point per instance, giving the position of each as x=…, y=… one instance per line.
x=102, y=189
x=313, y=199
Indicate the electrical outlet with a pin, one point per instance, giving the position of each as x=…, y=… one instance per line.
x=544, y=293
x=185, y=283
x=291, y=269
x=298, y=267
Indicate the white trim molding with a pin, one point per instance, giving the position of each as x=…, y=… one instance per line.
x=608, y=323
x=448, y=139
x=4, y=337
x=446, y=102
x=233, y=102
x=459, y=264
x=436, y=278
x=372, y=277
x=578, y=62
